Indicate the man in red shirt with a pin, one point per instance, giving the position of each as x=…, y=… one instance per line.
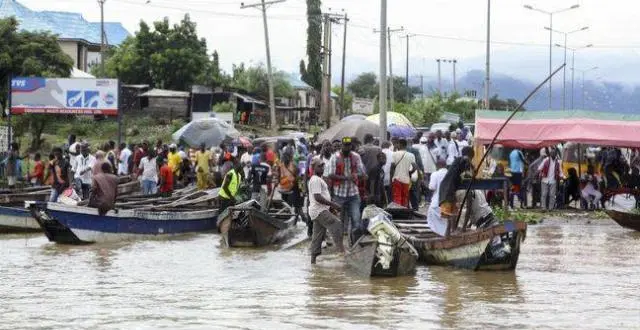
x=166, y=178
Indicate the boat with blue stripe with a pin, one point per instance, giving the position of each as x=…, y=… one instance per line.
x=17, y=220
x=68, y=224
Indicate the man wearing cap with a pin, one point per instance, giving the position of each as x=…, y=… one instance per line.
x=345, y=170
x=320, y=206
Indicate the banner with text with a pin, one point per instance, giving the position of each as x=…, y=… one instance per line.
x=67, y=96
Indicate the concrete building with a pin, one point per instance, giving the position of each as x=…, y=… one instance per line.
x=77, y=37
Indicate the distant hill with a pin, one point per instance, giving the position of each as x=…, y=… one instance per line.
x=614, y=87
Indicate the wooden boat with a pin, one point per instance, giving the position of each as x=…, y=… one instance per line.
x=363, y=258
x=625, y=219
x=66, y=224
x=470, y=249
x=14, y=217
x=245, y=225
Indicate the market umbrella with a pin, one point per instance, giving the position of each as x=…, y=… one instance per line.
x=401, y=131
x=393, y=118
x=354, y=128
x=210, y=131
x=354, y=117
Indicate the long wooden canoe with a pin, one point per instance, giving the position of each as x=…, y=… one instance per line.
x=625, y=219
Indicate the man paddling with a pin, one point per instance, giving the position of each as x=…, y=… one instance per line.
x=320, y=206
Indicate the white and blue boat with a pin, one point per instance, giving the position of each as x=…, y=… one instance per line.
x=17, y=220
x=67, y=224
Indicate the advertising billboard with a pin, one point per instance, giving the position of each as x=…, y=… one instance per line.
x=68, y=96
x=362, y=106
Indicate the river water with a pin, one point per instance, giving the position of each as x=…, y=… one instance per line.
x=571, y=274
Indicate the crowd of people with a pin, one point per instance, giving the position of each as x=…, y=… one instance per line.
x=537, y=177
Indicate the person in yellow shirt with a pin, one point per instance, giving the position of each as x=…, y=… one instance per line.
x=175, y=161
x=203, y=165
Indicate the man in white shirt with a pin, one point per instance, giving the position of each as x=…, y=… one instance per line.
x=320, y=206
x=403, y=166
x=461, y=141
x=434, y=217
x=441, y=143
x=82, y=171
x=149, y=176
x=550, y=173
x=453, y=149
x=387, y=149
x=123, y=160
x=245, y=160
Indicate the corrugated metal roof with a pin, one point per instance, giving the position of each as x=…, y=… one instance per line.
x=165, y=93
x=66, y=25
x=297, y=83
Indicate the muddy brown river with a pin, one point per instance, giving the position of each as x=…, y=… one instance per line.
x=572, y=275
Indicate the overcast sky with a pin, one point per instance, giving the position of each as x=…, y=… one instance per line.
x=446, y=28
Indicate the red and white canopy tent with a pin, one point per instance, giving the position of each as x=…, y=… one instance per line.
x=536, y=129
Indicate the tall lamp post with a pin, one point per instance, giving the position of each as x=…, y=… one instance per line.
x=564, y=70
x=583, y=80
x=573, y=63
x=551, y=13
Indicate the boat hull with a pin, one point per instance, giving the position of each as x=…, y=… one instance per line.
x=255, y=230
x=362, y=259
x=82, y=225
x=624, y=219
x=17, y=220
x=474, y=250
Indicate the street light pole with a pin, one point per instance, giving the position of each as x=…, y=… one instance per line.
x=564, y=70
x=583, y=81
x=573, y=62
x=550, y=13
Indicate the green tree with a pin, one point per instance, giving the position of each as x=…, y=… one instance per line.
x=364, y=86
x=168, y=57
x=402, y=92
x=29, y=54
x=255, y=80
x=313, y=73
x=421, y=112
x=348, y=98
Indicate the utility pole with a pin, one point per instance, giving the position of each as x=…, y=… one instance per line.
x=391, y=82
x=487, y=64
x=272, y=102
x=455, y=88
x=326, y=74
x=407, y=73
x=422, y=85
x=383, y=70
x=102, y=45
x=344, y=56
x=439, y=78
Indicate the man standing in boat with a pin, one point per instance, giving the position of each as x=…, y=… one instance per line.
x=320, y=206
x=434, y=217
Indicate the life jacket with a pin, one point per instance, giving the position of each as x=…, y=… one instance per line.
x=340, y=167
x=233, y=185
x=545, y=169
